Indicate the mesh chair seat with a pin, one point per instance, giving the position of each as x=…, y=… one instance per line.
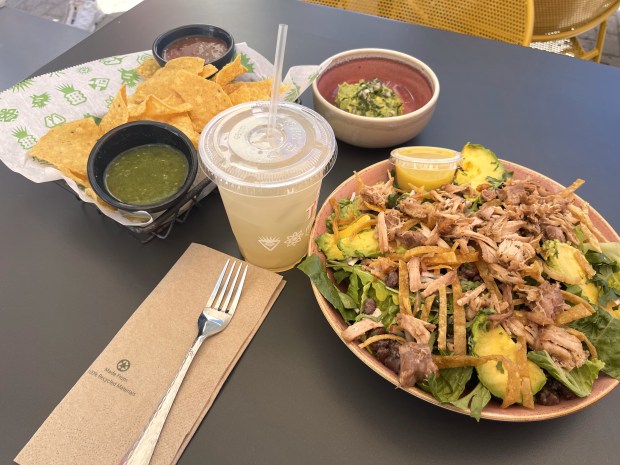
x=506, y=20
x=557, y=23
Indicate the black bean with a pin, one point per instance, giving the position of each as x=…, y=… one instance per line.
x=378, y=331
x=369, y=306
x=391, y=280
x=547, y=397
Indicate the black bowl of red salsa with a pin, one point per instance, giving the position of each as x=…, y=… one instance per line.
x=215, y=45
x=142, y=166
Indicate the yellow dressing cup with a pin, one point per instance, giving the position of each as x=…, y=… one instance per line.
x=428, y=167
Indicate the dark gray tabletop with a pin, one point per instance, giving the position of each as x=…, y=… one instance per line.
x=70, y=278
x=27, y=41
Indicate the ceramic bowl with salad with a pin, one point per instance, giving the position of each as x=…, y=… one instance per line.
x=496, y=294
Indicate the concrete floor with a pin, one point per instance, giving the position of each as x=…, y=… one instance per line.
x=86, y=15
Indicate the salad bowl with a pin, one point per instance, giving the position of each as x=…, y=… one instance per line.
x=378, y=173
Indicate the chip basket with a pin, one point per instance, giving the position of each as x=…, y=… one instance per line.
x=164, y=222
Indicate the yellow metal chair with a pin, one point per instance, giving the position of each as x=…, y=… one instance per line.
x=557, y=23
x=506, y=20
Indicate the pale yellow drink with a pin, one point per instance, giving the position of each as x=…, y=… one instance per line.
x=272, y=231
x=269, y=183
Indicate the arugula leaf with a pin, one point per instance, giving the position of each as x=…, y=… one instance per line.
x=578, y=380
x=475, y=401
x=603, y=330
x=313, y=267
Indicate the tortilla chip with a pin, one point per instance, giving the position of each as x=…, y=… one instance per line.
x=183, y=122
x=159, y=85
x=153, y=108
x=206, y=97
x=147, y=68
x=230, y=72
x=67, y=147
x=192, y=65
x=118, y=112
x=208, y=71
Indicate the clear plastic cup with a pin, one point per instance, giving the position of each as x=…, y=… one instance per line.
x=428, y=167
x=269, y=185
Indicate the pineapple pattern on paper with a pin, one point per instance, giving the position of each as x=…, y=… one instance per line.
x=8, y=114
x=23, y=85
x=54, y=120
x=110, y=61
x=292, y=94
x=84, y=70
x=129, y=77
x=41, y=100
x=245, y=61
x=71, y=95
x=26, y=141
x=99, y=83
x=142, y=58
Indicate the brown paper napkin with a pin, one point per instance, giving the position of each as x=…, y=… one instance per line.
x=102, y=415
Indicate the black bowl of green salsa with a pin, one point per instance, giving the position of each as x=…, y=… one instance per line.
x=215, y=45
x=142, y=166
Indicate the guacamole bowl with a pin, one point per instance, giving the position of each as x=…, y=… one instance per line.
x=142, y=166
x=380, y=75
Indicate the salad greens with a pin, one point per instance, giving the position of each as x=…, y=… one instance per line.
x=463, y=254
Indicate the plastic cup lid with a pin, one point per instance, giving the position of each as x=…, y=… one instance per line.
x=237, y=153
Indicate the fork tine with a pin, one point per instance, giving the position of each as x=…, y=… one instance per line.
x=235, y=301
x=222, y=292
x=216, y=288
x=230, y=291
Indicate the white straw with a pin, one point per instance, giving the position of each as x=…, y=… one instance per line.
x=277, y=78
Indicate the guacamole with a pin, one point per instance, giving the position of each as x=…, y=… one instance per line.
x=369, y=98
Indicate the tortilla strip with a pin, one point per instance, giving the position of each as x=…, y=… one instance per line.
x=404, y=301
x=574, y=313
x=524, y=372
x=460, y=329
x=380, y=337
x=583, y=338
x=575, y=299
x=428, y=304
x=443, y=319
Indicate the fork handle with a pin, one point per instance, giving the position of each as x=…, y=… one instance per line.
x=142, y=450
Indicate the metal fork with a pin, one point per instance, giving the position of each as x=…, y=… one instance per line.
x=213, y=319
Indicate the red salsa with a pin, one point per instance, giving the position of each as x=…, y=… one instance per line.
x=207, y=47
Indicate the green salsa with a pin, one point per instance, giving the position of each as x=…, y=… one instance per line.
x=147, y=174
x=369, y=98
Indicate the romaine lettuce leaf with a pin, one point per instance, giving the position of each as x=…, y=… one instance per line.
x=313, y=267
x=603, y=330
x=450, y=384
x=475, y=401
x=363, y=285
x=578, y=380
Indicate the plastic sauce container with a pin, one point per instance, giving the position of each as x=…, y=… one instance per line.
x=428, y=167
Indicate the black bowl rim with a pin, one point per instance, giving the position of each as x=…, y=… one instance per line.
x=160, y=43
x=102, y=192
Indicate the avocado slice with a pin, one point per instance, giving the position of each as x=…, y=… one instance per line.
x=562, y=259
x=497, y=342
x=363, y=244
x=328, y=246
x=479, y=164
